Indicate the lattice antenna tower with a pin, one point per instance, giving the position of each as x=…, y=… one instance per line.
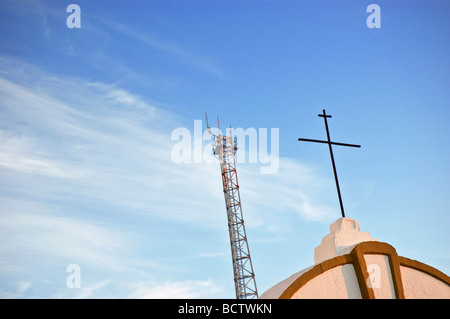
x=224, y=148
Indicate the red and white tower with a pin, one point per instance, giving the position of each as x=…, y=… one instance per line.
x=224, y=148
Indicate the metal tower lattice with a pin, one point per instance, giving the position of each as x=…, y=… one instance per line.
x=224, y=148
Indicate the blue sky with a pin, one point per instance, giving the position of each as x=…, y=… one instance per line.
x=86, y=117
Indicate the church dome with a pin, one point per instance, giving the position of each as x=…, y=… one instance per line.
x=351, y=264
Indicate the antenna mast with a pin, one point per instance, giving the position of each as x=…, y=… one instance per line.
x=224, y=148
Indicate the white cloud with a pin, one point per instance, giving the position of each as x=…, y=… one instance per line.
x=189, y=289
x=16, y=290
x=116, y=153
x=92, y=290
x=291, y=191
x=22, y=287
x=20, y=153
x=68, y=160
x=32, y=231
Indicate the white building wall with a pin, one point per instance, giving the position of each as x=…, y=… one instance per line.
x=337, y=283
x=420, y=285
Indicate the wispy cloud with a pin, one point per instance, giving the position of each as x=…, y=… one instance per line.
x=50, y=234
x=78, y=158
x=189, y=289
x=179, y=53
x=108, y=142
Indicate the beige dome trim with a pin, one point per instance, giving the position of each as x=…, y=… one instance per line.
x=356, y=258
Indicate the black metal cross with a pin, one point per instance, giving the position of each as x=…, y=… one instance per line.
x=329, y=142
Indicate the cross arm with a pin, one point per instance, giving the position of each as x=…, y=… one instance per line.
x=326, y=142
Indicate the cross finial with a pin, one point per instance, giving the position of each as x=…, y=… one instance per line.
x=329, y=142
x=324, y=114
